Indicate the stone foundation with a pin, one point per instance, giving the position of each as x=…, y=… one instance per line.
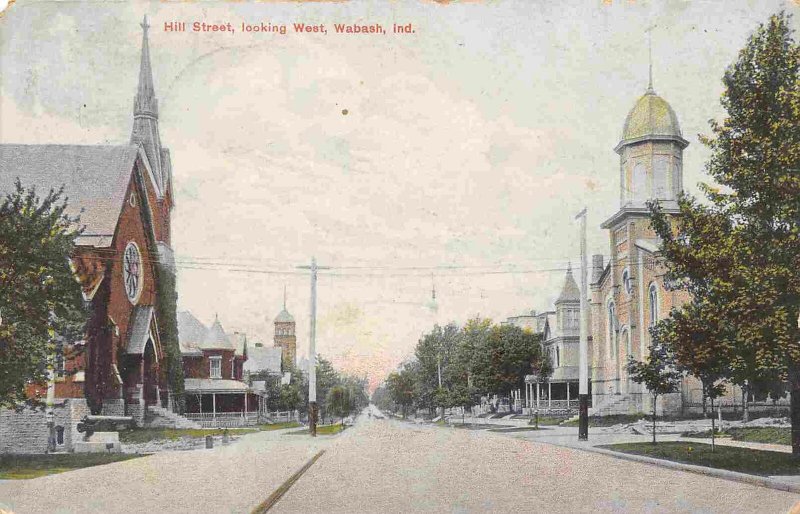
x=113, y=407
x=27, y=431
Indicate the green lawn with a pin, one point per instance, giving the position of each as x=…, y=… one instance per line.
x=548, y=420
x=607, y=421
x=321, y=430
x=769, y=435
x=144, y=435
x=743, y=460
x=278, y=426
x=32, y=466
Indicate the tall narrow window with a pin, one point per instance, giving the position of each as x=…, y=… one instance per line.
x=215, y=367
x=653, y=304
x=612, y=328
x=660, y=179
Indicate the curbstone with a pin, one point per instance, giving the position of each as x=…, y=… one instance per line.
x=735, y=476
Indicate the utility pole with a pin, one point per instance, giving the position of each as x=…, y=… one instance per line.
x=312, y=350
x=583, y=355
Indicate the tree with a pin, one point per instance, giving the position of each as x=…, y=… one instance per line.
x=505, y=357
x=327, y=378
x=401, y=387
x=338, y=401
x=40, y=299
x=750, y=272
x=657, y=372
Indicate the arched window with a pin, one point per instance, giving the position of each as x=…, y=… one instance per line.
x=612, y=328
x=627, y=283
x=653, y=296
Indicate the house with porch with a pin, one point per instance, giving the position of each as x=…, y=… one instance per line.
x=215, y=393
x=558, y=393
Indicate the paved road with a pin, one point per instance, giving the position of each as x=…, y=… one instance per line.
x=387, y=466
x=393, y=466
x=232, y=478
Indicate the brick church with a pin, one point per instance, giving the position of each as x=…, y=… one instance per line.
x=123, y=259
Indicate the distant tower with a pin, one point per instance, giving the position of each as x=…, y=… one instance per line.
x=285, y=334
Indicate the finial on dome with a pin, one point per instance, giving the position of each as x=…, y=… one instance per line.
x=650, y=59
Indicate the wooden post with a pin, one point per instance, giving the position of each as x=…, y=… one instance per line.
x=214, y=406
x=549, y=394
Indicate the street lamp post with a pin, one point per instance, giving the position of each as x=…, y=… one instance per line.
x=583, y=356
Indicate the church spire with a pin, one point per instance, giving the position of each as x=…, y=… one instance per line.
x=145, y=103
x=284, y=296
x=145, y=112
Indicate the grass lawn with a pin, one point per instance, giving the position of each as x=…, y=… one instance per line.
x=321, y=430
x=769, y=435
x=143, y=435
x=607, y=421
x=548, y=420
x=743, y=460
x=32, y=466
x=278, y=426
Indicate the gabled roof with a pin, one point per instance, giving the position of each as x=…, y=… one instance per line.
x=95, y=180
x=139, y=329
x=190, y=332
x=263, y=358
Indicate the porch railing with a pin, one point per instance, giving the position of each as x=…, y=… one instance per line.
x=223, y=419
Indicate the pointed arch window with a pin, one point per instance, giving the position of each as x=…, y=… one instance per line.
x=653, y=297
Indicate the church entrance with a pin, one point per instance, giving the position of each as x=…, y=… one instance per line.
x=150, y=374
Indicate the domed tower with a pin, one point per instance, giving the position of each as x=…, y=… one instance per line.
x=285, y=335
x=650, y=154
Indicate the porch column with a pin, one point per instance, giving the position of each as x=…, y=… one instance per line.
x=568, y=394
x=214, y=406
x=549, y=394
x=537, y=395
x=245, y=404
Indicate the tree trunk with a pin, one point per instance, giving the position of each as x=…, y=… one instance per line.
x=745, y=403
x=713, y=426
x=794, y=387
x=655, y=397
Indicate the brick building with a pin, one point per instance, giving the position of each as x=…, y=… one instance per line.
x=628, y=293
x=285, y=336
x=123, y=195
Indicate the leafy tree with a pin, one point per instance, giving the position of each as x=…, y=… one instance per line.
x=40, y=300
x=434, y=354
x=751, y=272
x=657, y=372
x=505, y=357
x=327, y=378
x=401, y=387
x=338, y=401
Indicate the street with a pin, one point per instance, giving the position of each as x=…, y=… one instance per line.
x=386, y=465
x=395, y=466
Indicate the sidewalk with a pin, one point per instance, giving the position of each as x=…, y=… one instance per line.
x=233, y=478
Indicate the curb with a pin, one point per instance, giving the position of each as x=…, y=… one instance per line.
x=273, y=498
x=735, y=476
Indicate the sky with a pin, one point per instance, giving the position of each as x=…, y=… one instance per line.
x=453, y=157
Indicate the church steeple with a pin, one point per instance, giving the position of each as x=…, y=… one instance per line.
x=145, y=112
